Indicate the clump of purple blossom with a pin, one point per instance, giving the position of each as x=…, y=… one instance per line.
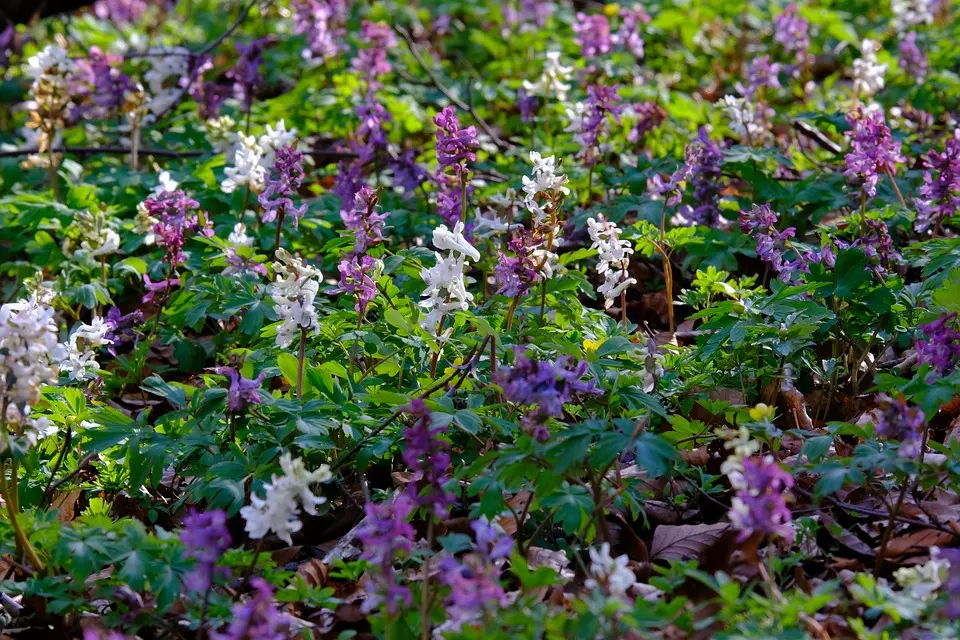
x=873, y=151
x=792, y=31
x=369, y=139
x=257, y=618
x=176, y=215
x=372, y=61
x=321, y=22
x=761, y=74
x=385, y=535
x=670, y=189
x=940, y=195
x=120, y=327
x=516, y=274
x=528, y=13
x=455, y=147
x=364, y=220
x=153, y=288
x=650, y=115
x=941, y=347
x=355, y=280
x=951, y=585
x=407, y=173
x=773, y=246
x=602, y=101
x=544, y=385
x=912, y=60
x=120, y=11
x=761, y=507
x=427, y=455
x=246, y=74
x=593, y=34
x=284, y=182
x=704, y=159
x=629, y=34
x=528, y=105
x=102, y=80
x=896, y=420
x=243, y=391
x=206, y=538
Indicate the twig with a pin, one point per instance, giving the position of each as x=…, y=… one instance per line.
x=70, y=476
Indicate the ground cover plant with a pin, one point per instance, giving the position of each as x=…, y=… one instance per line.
x=476, y=319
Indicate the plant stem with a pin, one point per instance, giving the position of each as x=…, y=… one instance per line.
x=9, y=493
x=543, y=300
x=300, y=361
x=511, y=312
x=667, y=266
x=896, y=188
x=67, y=438
x=904, y=489
x=276, y=240
x=623, y=309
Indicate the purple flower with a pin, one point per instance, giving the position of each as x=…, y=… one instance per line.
x=528, y=106
x=940, y=196
x=206, y=538
x=209, y=95
x=258, y=618
x=155, y=287
x=177, y=215
x=873, y=151
x=650, y=115
x=760, y=507
x=385, y=535
x=321, y=21
x=355, y=280
x=761, y=73
x=120, y=11
x=792, y=31
x=912, y=60
x=372, y=61
x=773, y=245
x=516, y=275
x=529, y=12
x=593, y=34
x=474, y=586
x=426, y=453
x=7, y=40
x=284, y=182
x=877, y=243
x=704, y=158
x=364, y=220
x=246, y=74
x=629, y=34
x=670, y=190
x=370, y=138
x=490, y=542
x=601, y=101
x=951, y=586
x=455, y=146
x=407, y=174
x=896, y=420
x=941, y=348
x=120, y=327
x=101, y=79
x=760, y=218
x=243, y=391
x=544, y=385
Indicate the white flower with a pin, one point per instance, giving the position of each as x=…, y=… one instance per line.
x=30, y=351
x=52, y=60
x=446, y=288
x=168, y=66
x=489, y=224
x=239, y=236
x=614, y=259
x=553, y=80
x=273, y=140
x=545, y=181
x=247, y=168
x=279, y=509
x=741, y=446
x=867, y=72
x=293, y=293
x=609, y=572
x=81, y=357
x=166, y=183
x=922, y=582
x=221, y=134
x=911, y=13
x=742, y=116
x=575, y=117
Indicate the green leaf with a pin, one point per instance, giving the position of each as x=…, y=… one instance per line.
x=289, y=365
x=655, y=455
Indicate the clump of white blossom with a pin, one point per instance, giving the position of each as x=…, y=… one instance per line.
x=92, y=232
x=614, y=259
x=294, y=293
x=911, y=13
x=81, y=357
x=279, y=509
x=609, y=573
x=867, y=72
x=742, y=118
x=49, y=102
x=446, y=287
x=254, y=157
x=543, y=195
x=553, y=80
x=168, y=65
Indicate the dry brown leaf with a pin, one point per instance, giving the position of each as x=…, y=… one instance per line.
x=556, y=560
x=844, y=537
x=698, y=457
x=917, y=542
x=66, y=502
x=685, y=541
x=314, y=572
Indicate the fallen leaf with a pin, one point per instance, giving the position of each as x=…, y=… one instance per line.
x=685, y=541
x=917, y=542
x=314, y=572
x=66, y=502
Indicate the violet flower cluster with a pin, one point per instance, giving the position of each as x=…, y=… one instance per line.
x=372, y=61
x=176, y=216
x=760, y=507
x=761, y=74
x=427, y=455
x=941, y=347
x=243, y=391
x=206, y=538
x=246, y=74
x=369, y=139
x=873, y=151
x=896, y=420
x=321, y=22
x=102, y=80
x=773, y=246
x=705, y=161
x=940, y=195
x=515, y=275
x=257, y=618
x=386, y=535
x=120, y=328
x=455, y=147
x=649, y=115
x=544, y=385
x=284, y=182
x=474, y=581
x=792, y=32
x=913, y=61
x=602, y=101
x=593, y=34
x=364, y=220
x=355, y=280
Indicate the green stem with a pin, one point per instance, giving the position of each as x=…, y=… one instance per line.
x=300, y=361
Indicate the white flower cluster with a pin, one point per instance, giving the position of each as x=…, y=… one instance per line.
x=81, y=357
x=546, y=181
x=446, y=288
x=742, y=117
x=741, y=446
x=490, y=223
x=253, y=158
x=279, y=509
x=49, y=100
x=614, y=259
x=143, y=222
x=867, y=72
x=94, y=233
x=609, y=573
x=168, y=68
x=553, y=80
x=294, y=292
x=911, y=13
x=30, y=352
x=221, y=133
x=238, y=237
x=923, y=581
